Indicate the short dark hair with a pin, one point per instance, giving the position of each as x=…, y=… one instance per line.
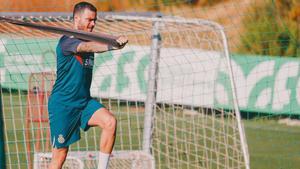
x=79, y=7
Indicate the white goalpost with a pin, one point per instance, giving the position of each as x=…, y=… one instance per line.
x=171, y=89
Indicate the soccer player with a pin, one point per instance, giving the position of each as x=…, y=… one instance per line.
x=70, y=104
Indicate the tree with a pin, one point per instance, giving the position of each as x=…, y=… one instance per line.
x=271, y=30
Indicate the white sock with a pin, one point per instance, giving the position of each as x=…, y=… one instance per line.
x=103, y=160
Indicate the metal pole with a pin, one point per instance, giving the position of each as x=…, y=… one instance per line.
x=2, y=152
x=152, y=86
x=242, y=133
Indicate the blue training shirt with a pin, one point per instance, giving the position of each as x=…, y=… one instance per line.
x=74, y=74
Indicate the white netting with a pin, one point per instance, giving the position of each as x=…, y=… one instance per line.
x=194, y=123
x=89, y=160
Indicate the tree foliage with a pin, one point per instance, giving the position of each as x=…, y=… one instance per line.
x=272, y=28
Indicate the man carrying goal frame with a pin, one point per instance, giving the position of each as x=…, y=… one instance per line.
x=70, y=104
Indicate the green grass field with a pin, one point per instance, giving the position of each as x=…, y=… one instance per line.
x=271, y=145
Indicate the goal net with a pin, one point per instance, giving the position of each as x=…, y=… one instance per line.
x=89, y=159
x=171, y=89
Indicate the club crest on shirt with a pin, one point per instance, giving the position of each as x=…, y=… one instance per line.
x=61, y=139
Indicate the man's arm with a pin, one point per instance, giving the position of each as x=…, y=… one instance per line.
x=94, y=47
x=97, y=47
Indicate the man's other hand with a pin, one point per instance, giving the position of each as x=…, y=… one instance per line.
x=122, y=41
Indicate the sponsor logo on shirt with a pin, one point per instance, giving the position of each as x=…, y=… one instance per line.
x=88, y=62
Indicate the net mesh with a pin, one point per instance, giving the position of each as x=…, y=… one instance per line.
x=89, y=160
x=193, y=125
